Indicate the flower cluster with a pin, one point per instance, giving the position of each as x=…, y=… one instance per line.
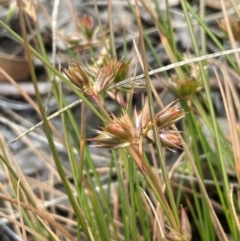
x=136, y=131
x=87, y=33
x=191, y=84
x=185, y=89
x=118, y=133
x=86, y=25
x=94, y=80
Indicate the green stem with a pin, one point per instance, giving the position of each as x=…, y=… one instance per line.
x=155, y=130
x=49, y=136
x=144, y=167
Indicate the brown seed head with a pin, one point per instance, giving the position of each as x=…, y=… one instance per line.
x=169, y=115
x=125, y=131
x=79, y=77
x=118, y=133
x=86, y=26
x=169, y=138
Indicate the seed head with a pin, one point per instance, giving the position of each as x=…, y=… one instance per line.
x=87, y=34
x=185, y=89
x=79, y=77
x=93, y=81
x=118, y=133
x=86, y=25
x=169, y=138
x=169, y=115
x=190, y=85
x=136, y=130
